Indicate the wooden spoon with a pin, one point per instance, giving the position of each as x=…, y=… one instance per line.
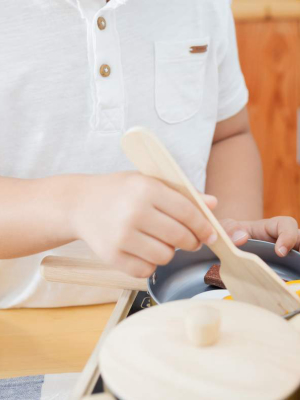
x=88, y=272
x=245, y=275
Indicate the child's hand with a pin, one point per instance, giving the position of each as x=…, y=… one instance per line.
x=134, y=223
x=280, y=230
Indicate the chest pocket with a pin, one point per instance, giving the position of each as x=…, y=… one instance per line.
x=179, y=78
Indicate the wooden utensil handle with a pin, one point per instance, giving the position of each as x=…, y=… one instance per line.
x=88, y=272
x=223, y=243
x=91, y=372
x=139, y=145
x=102, y=396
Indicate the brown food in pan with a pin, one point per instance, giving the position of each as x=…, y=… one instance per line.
x=213, y=277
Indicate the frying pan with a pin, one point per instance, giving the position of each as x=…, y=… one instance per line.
x=182, y=278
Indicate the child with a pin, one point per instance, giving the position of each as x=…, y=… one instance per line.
x=75, y=74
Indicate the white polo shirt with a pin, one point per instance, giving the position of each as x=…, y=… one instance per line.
x=75, y=74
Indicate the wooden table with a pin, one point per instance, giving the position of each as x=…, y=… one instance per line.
x=45, y=341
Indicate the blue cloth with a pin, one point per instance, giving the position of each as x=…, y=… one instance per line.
x=24, y=388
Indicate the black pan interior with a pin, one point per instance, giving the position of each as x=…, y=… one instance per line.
x=183, y=277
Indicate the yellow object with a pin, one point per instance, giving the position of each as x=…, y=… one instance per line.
x=290, y=283
x=293, y=282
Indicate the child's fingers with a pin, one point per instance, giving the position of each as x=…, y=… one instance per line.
x=181, y=209
x=147, y=248
x=134, y=266
x=288, y=236
x=210, y=201
x=169, y=231
x=236, y=231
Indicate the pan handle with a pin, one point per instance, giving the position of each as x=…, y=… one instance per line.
x=89, y=273
x=102, y=396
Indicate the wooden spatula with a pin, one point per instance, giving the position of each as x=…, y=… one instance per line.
x=245, y=275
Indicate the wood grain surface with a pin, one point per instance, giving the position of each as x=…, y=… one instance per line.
x=41, y=341
x=269, y=54
x=250, y=360
x=89, y=273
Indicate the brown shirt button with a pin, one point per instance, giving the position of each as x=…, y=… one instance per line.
x=101, y=22
x=105, y=70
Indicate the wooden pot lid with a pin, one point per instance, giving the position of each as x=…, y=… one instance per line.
x=160, y=353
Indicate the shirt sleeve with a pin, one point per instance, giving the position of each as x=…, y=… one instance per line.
x=233, y=93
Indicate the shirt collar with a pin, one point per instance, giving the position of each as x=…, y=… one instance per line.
x=88, y=8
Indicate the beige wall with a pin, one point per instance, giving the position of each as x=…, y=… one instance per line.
x=258, y=9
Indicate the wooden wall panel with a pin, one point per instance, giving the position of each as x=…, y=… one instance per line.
x=261, y=9
x=298, y=75
x=269, y=53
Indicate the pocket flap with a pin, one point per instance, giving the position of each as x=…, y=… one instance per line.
x=180, y=78
x=181, y=50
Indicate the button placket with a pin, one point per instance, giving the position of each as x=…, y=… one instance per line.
x=108, y=73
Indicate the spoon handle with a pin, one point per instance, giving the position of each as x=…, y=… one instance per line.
x=151, y=158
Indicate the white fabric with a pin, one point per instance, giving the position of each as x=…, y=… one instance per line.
x=58, y=115
x=58, y=386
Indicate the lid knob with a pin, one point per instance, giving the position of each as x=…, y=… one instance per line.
x=202, y=325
